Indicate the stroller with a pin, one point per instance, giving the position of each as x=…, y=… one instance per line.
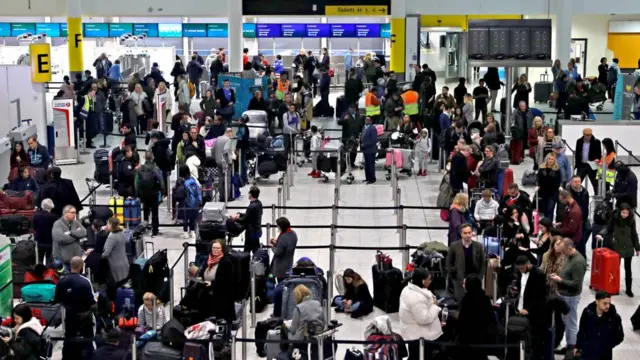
x=328, y=162
x=267, y=158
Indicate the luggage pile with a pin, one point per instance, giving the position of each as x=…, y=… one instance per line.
x=16, y=212
x=387, y=284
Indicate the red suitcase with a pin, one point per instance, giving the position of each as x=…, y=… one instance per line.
x=508, y=180
x=605, y=271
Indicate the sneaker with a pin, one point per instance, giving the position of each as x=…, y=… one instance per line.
x=312, y=173
x=424, y=173
x=419, y=172
x=629, y=293
x=339, y=310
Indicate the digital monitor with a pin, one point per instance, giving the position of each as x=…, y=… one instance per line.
x=268, y=30
x=318, y=30
x=63, y=30
x=151, y=29
x=293, y=30
x=194, y=30
x=249, y=30
x=343, y=30
x=217, y=30
x=96, y=30
x=170, y=30
x=22, y=28
x=5, y=29
x=385, y=31
x=119, y=29
x=50, y=29
x=368, y=30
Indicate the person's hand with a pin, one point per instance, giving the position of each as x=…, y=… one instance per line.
x=524, y=312
x=5, y=339
x=231, y=103
x=519, y=236
x=88, y=251
x=504, y=210
x=207, y=283
x=598, y=237
x=637, y=253
x=555, y=277
x=67, y=232
x=218, y=101
x=576, y=352
x=274, y=241
x=537, y=188
x=17, y=158
x=194, y=143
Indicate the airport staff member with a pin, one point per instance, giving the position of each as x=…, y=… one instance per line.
x=372, y=105
x=75, y=294
x=410, y=100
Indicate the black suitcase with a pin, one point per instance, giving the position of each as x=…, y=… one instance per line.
x=195, y=351
x=341, y=106
x=542, y=90
x=107, y=124
x=211, y=230
x=387, y=286
x=158, y=351
x=262, y=327
x=241, y=262
x=101, y=160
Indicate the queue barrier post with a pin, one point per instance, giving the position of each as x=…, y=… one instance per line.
x=244, y=328
x=154, y=315
x=403, y=244
x=38, y=254
x=617, y=145
x=334, y=214
x=336, y=200
x=134, y=348
x=226, y=185
x=275, y=208
x=431, y=134
x=233, y=347
x=269, y=234
x=421, y=348
x=279, y=208
x=171, y=296
x=332, y=262
x=285, y=196
x=522, y=357
x=339, y=171
x=398, y=200
x=400, y=217
x=253, y=297
x=185, y=260
x=603, y=176
x=320, y=347
x=291, y=172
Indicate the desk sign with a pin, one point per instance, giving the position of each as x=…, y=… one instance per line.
x=367, y=10
x=40, y=58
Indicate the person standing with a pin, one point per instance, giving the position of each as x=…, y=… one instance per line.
x=548, y=187
x=188, y=196
x=223, y=155
x=522, y=89
x=492, y=78
x=290, y=127
x=102, y=65
x=625, y=186
x=521, y=121
x=369, y=148
x=481, y=95
x=252, y=221
x=66, y=234
x=284, y=248
x=348, y=62
x=570, y=281
x=194, y=69
x=465, y=258
x=149, y=186
x=226, y=98
x=184, y=94
x=115, y=252
x=622, y=235
x=351, y=127
x=140, y=101
x=532, y=296
x=43, y=221
x=571, y=225
x=600, y=330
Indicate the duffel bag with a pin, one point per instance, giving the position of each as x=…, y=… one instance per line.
x=49, y=314
x=38, y=293
x=212, y=230
x=173, y=334
x=16, y=200
x=14, y=224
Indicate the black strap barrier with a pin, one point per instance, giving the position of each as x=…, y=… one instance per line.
x=325, y=207
x=630, y=154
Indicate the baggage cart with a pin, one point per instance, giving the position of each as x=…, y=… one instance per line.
x=336, y=154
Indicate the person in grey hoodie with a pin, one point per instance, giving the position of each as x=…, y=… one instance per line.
x=290, y=127
x=284, y=248
x=115, y=251
x=66, y=234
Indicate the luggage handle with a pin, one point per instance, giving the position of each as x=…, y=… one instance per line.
x=544, y=77
x=153, y=249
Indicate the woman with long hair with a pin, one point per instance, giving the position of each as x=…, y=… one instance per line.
x=522, y=88
x=467, y=110
x=115, y=252
x=609, y=159
x=549, y=181
x=545, y=144
x=516, y=236
x=19, y=157
x=491, y=119
x=357, y=299
x=552, y=262
x=543, y=242
x=217, y=274
x=27, y=344
x=458, y=216
x=535, y=132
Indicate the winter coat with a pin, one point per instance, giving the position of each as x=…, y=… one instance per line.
x=115, y=251
x=456, y=219
x=184, y=96
x=419, y=315
x=621, y=234
x=218, y=300
x=597, y=336
x=306, y=314
x=625, y=187
x=283, y=253
x=27, y=344
x=549, y=182
x=540, y=143
x=66, y=246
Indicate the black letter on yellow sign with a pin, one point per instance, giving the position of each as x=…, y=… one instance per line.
x=78, y=39
x=43, y=60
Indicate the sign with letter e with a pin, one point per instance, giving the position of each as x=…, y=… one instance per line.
x=40, y=58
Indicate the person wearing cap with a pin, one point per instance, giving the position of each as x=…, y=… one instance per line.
x=588, y=149
x=563, y=163
x=111, y=349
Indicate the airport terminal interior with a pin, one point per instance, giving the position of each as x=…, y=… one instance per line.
x=402, y=35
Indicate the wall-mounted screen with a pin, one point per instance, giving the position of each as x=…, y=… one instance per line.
x=194, y=30
x=368, y=30
x=385, y=31
x=318, y=30
x=249, y=30
x=150, y=29
x=343, y=30
x=63, y=30
x=170, y=30
x=268, y=30
x=119, y=29
x=50, y=29
x=96, y=30
x=293, y=30
x=22, y=28
x=5, y=29
x=218, y=30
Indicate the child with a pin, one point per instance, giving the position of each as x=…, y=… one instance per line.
x=145, y=313
x=316, y=142
x=423, y=149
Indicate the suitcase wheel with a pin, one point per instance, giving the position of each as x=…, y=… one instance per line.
x=387, y=176
x=325, y=179
x=281, y=181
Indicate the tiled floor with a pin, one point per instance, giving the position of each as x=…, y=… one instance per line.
x=417, y=191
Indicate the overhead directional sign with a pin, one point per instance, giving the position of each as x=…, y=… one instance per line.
x=365, y=10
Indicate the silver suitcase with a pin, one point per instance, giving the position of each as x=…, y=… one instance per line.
x=213, y=211
x=272, y=349
x=257, y=124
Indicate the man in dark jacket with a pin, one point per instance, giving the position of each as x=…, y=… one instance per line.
x=515, y=197
x=571, y=225
x=217, y=128
x=162, y=157
x=195, y=144
x=251, y=220
x=588, y=148
x=309, y=67
x=324, y=88
x=459, y=170
x=351, y=127
x=194, y=69
x=460, y=91
x=38, y=154
x=126, y=174
x=600, y=330
x=353, y=87
x=149, y=185
x=61, y=191
x=257, y=102
x=369, y=148
x=625, y=187
x=43, y=221
x=422, y=76
x=156, y=74
x=111, y=350
x=532, y=289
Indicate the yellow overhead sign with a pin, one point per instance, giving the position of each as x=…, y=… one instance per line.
x=40, y=56
x=367, y=10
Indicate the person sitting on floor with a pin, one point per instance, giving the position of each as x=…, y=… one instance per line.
x=145, y=313
x=357, y=299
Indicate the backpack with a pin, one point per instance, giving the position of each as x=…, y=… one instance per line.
x=602, y=213
x=380, y=349
x=192, y=89
x=193, y=196
x=24, y=253
x=173, y=334
x=148, y=183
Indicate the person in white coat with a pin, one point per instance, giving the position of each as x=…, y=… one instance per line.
x=419, y=312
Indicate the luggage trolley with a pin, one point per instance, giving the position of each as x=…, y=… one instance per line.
x=329, y=162
x=328, y=348
x=404, y=144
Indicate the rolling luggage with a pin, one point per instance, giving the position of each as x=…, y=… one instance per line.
x=116, y=204
x=407, y=159
x=101, y=161
x=213, y=211
x=341, y=106
x=262, y=329
x=211, y=230
x=543, y=89
x=396, y=154
x=241, y=275
x=158, y=351
x=132, y=212
x=387, y=286
x=507, y=181
x=313, y=283
x=195, y=351
x=273, y=349
x=107, y=126
x=48, y=313
x=125, y=301
x=38, y=293
x=605, y=270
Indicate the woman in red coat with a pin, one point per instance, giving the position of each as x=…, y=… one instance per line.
x=536, y=131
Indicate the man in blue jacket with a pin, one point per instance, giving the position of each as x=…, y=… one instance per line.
x=369, y=147
x=600, y=330
x=38, y=154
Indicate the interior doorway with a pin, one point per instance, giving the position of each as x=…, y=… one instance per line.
x=579, y=52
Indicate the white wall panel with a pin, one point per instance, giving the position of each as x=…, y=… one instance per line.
x=624, y=26
x=477, y=7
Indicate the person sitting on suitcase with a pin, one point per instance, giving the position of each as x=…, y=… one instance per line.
x=308, y=316
x=217, y=274
x=145, y=313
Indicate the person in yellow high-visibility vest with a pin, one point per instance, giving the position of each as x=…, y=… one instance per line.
x=609, y=159
x=410, y=99
x=282, y=86
x=372, y=105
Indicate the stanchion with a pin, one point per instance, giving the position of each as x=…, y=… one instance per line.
x=233, y=347
x=38, y=255
x=398, y=200
x=421, y=349
x=226, y=186
x=171, y=296
x=403, y=244
x=334, y=214
x=332, y=262
x=253, y=297
x=291, y=172
x=185, y=260
x=400, y=217
x=336, y=200
x=320, y=347
x=431, y=134
x=269, y=234
x=170, y=190
x=134, y=347
x=285, y=196
x=279, y=202
x=603, y=176
x=339, y=171
x=616, y=146
x=154, y=315
x=522, y=350
x=273, y=208
x=244, y=328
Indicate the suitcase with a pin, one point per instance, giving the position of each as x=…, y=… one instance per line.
x=38, y=293
x=313, y=283
x=158, y=351
x=116, y=204
x=262, y=329
x=241, y=275
x=132, y=212
x=47, y=313
x=213, y=211
x=18, y=279
x=125, y=301
x=605, y=270
x=507, y=181
x=273, y=349
x=239, y=315
x=195, y=351
x=396, y=154
x=107, y=124
x=387, y=286
x=407, y=159
x=341, y=106
x=101, y=161
x=543, y=89
x=211, y=230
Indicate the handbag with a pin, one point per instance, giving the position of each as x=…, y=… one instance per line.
x=226, y=111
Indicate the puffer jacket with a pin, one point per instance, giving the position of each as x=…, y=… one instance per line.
x=28, y=343
x=419, y=315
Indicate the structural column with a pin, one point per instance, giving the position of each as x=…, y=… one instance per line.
x=235, y=35
x=74, y=37
x=564, y=11
x=398, y=37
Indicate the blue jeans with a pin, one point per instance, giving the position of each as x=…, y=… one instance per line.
x=369, y=167
x=571, y=319
x=252, y=242
x=338, y=302
x=189, y=220
x=548, y=206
